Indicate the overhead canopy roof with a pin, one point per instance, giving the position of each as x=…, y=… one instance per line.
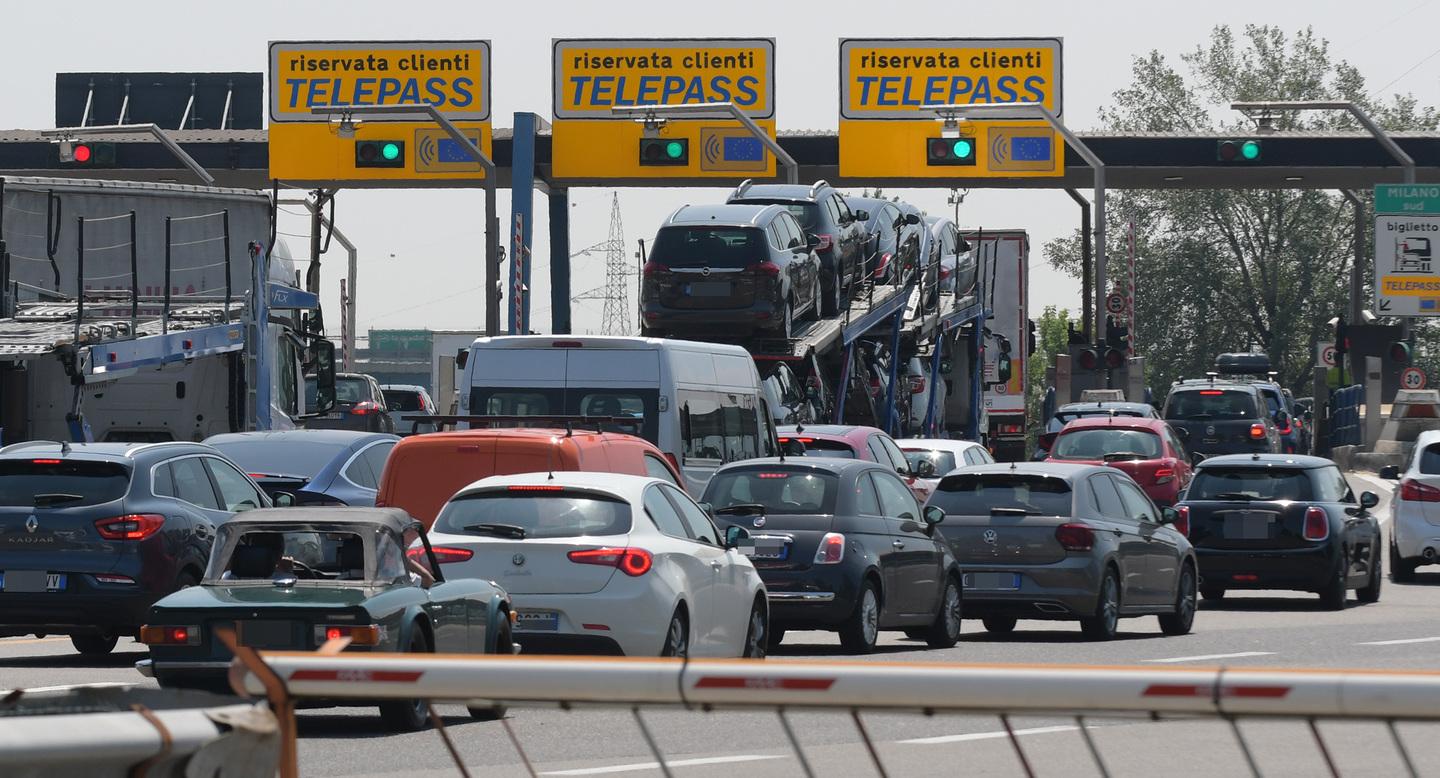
x=1132, y=161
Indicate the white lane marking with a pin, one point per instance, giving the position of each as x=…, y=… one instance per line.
x=1399, y=642
x=628, y=768
x=1203, y=657
x=969, y=736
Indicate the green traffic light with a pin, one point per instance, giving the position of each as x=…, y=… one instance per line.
x=674, y=149
x=390, y=151
x=1250, y=149
x=963, y=149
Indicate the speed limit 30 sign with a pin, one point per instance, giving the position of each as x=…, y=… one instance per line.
x=1412, y=378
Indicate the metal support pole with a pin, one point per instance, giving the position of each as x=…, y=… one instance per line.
x=975, y=425
x=134, y=278
x=165, y=310
x=1085, y=269
x=560, y=261
x=1357, y=270
x=80, y=273
x=352, y=270
x=225, y=225
x=892, y=417
x=928, y=429
x=522, y=219
x=1320, y=425
x=842, y=387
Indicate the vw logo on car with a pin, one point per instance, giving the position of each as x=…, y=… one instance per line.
x=517, y=560
x=990, y=536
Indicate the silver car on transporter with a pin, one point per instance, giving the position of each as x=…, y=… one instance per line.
x=1058, y=541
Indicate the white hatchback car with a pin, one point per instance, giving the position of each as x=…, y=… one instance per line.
x=1415, y=510
x=944, y=455
x=600, y=563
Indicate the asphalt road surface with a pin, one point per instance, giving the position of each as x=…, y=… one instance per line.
x=1402, y=631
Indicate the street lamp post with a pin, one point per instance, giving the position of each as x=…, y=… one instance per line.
x=71, y=133
x=953, y=112
x=492, y=222
x=653, y=116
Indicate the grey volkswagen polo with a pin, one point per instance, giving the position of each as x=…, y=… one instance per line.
x=1055, y=541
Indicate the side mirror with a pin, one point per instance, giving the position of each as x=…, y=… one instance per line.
x=734, y=535
x=462, y=356
x=1369, y=500
x=863, y=216
x=933, y=515
x=925, y=469
x=283, y=500
x=708, y=508
x=911, y=218
x=1169, y=515
x=322, y=365
x=1003, y=368
x=812, y=241
x=1389, y=473
x=1183, y=433
x=1196, y=458
x=1046, y=440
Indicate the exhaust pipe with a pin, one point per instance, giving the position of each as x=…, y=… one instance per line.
x=1050, y=607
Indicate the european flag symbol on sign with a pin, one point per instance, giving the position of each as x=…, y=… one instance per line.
x=1428, y=305
x=450, y=151
x=743, y=149
x=1023, y=149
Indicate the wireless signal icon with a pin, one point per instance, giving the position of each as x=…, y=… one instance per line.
x=714, y=149
x=427, y=150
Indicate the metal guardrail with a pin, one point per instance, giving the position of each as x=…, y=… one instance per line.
x=1082, y=692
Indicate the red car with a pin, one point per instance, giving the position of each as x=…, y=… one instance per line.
x=864, y=443
x=1148, y=450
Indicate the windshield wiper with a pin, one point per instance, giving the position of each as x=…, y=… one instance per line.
x=1007, y=511
x=53, y=498
x=1235, y=496
x=502, y=530
x=1119, y=455
x=1200, y=416
x=741, y=509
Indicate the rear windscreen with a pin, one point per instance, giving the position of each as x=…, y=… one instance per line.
x=1217, y=404
x=538, y=514
x=944, y=461
x=807, y=213
x=402, y=400
x=716, y=247
x=347, y=390
x=1430, y=460
x=1249, y=483
x=61, y=483
x=1096, y=443
x=624, y=405
x=979, y=494
x=779, y=490
x=302, y=458
x=827, y=448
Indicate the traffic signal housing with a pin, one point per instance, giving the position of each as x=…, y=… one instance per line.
x=76, y=154
x=1088, y=359
x=1400, y=352
x=949, y=151
x=1242, y=150
x=665, y=152
x=380, y=153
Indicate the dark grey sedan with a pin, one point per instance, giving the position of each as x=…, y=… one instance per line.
x=1057, y=541
x=316, y=467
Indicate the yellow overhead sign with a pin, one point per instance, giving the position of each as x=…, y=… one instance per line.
x=593, y=77
x=381, y=149
x=890, y=128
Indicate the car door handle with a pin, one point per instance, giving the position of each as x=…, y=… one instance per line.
x=1118, y=532
x=897, y=544
x=716, y=565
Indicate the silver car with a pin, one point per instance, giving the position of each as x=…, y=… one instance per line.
x=1057, y=541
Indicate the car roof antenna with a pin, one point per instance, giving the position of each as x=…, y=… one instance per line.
x=64, y=448
x=550, y=456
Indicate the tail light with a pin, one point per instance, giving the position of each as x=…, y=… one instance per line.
x=366, y=408
x=1299, y=425
x=944, y=272
x=359, y=634
x=917, y=384
x=1257, y=431
x=535, y=488
x=652, y=267
x=1414, y=491
x=445, y=555
x=1285, y=430
x=875, y=387
x=46, y=461
x=1075, y=537
x=813, y=382
x=136, y=526
x=1009, y=429
x=1317, y=524
x=764, y=269
x=170, y=635
x=1164, y=475
x=633, y=562
x=1182, y=520
x=825, y=242
x=883, y=264
x=831, y=550
x=675, y=463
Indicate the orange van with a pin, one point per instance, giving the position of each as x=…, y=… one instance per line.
x=424, y=471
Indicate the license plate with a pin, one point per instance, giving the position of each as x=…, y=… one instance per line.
x=1247, y=526
x=771, y=548
x=267, y=634
x=1209, y=440
x=993, y=582
x=32, y=581
x=708, y=289
x=537, y=621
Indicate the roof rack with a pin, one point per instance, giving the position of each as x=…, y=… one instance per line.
x=569, y=422
x=817, y=186
x=743, y=188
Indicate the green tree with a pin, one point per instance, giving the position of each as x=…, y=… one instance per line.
x=1052, y=336
x=1225, y=270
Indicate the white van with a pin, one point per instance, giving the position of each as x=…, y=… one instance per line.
x=700, y=403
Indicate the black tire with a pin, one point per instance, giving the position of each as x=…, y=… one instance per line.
x=815, y=302
x=408, y=715
x=776, y=635
x=860, y=631
x=1212, y=593
x=757, y=638
x=94, y=645
x=786, y=329
x=1105, y=622
x=1401, y=570
x=830, y=303
x=504, y=646
x=1370, y=592
x=944, y=632
x=1180, y=622
x=999, y=625
x=1335, y=592
x=185, y=580
x=677, y=636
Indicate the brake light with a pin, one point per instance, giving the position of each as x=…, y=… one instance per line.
x=917, y=384
x=831, y=550
x=652, y=267
x=1257, y=431
x=1075, y=537
x=1009, y=429
x=944, y=272
x=1414, y=491
x=566, y=344
x=772, y=475
x=1182, y=520
x=359, y=634
x=633, y=562
x=1211, y=392
x=448, y=555
x=884, y=263
x=535, y=488
x=46, y=461
x=764, y=269
x=673, y=461
x=802, y=440
x=137, y=526
x=874, y=387
x=825, y=242
x=1164, y=475
x=366, y=408
x=169, y=635
x=1317, y=524
x=1285, y=430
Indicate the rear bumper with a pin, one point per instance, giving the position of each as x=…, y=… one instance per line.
x=1066, y=589
x=211, y=676
x=87, y=612
x=617, y=620
x=820, y=597
x=1301, y=569
x=1412, y=533
x=760, y=316
x=370, y=422
x=1231, y=447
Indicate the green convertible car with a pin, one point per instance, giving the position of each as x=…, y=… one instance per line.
x=293, y=578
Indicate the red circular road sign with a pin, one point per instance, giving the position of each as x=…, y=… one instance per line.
x=1115, y=303
x=1327, y=356
x=1412, y=378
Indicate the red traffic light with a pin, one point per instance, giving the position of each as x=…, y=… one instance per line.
x=1088, y=359
x=83, y=153
x=1114, y=358
x=1400, y=352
